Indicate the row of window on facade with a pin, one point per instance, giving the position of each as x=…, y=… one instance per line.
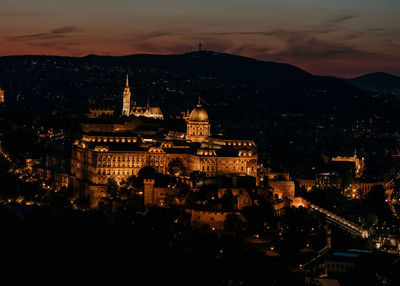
x=133, y=158
x=123, y=159
x=220, y=168
x=240, y=143
x=199, y=130
x=108, y=164
x=114, y=172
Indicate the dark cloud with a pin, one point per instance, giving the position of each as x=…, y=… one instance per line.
x=352, y=35
x=149, y=36
x=309, y=49
x=156, y=34
x=252, y=48
x=62, y=32
x=376, y=29
x=339, y=19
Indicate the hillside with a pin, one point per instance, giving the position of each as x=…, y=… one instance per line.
x=172, y=81
x=378, y=82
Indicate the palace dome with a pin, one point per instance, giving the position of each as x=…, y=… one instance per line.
x=198, y=115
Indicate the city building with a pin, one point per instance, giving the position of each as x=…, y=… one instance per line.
x=328, y=180
x=341, y=262
x=118, y=150
x=308, y=184
x=358, y=163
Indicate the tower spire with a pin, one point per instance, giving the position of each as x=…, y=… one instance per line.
x=199, y=102
x=126, y=102
x=127, y=81
x=148, y=103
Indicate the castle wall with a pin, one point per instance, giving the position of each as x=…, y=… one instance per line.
x=213, y=219
x=155, y=196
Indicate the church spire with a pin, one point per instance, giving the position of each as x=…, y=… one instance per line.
x=199, y=102
x=127, y=81
x=126, y=102
x=148, y=103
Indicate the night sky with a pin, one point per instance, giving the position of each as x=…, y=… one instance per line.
x=336, y=37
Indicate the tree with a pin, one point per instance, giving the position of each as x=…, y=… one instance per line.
x=197, y=176
x=233, y=222
x=176, y=167
x=125, y=192
x=82, y=202
x=376, y=197
x=60, y=198
x=376, y=201
x=207, y=193
x=134, y=182
x=147, y=173
x=112, y=188
x=190, y=199
x=300, y=192
x=228, y=200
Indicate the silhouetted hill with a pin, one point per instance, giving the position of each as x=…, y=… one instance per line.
x=378, y=82
x=220, y=79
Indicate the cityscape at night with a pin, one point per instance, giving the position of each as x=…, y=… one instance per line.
x=200, y=142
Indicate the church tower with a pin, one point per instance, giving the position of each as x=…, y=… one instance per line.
x=198, y=125
x=126, y=105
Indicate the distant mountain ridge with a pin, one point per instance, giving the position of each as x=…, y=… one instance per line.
x=224, y=66
x=379, y=82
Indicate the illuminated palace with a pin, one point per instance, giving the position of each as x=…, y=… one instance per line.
x=120, y=148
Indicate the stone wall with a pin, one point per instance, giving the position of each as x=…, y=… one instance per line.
x=282, y=189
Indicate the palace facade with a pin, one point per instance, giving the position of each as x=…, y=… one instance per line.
x=119, y=150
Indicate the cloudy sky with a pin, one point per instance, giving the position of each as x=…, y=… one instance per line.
x=335, y=37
